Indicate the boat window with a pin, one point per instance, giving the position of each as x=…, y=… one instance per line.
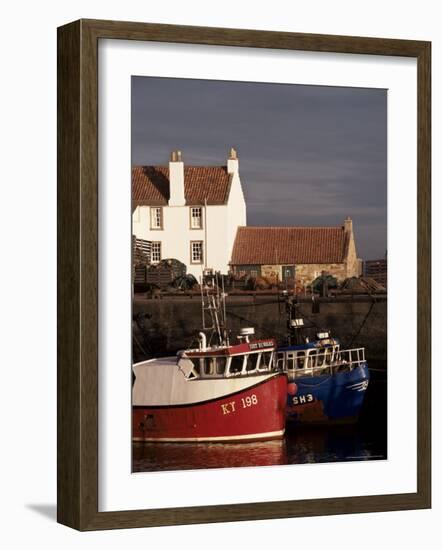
x=189, y=367
x=209, y=365
x=196, y=367
x=251, y=361
x=280, y=361
x=236, y=363
x=320, y=357
x=300, y=359
x=312, y=356
x=220, y=365
x=328, y=355
x=290, y=361
x=266, y=360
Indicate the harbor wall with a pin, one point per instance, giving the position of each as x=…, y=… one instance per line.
x=166, y=325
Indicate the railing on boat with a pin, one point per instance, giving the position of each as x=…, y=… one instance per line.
x=311, y=363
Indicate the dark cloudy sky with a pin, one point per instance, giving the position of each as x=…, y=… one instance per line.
x=308, y=155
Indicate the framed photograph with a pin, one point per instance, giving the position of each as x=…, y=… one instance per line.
x=243, y=275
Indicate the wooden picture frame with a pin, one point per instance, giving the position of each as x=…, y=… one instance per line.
x=77, y=461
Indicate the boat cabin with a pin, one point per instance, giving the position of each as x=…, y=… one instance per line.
x=306, y=359
x=241, y=360
x=313, y=358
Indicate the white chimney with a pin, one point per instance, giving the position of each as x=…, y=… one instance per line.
x=232, y=162
x=176, y=180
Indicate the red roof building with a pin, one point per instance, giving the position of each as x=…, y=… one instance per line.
x=301, y=253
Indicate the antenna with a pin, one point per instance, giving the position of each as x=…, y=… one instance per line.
x=226, y=333
x=295, y=323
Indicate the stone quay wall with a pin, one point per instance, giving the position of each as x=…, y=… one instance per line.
x=164, y=326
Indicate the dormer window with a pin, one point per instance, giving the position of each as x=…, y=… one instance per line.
x=156, y=217
x=196, y=217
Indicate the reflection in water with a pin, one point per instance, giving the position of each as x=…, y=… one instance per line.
x=302, y=446
x=334, y=444
x=149, y=457
x=366, y=440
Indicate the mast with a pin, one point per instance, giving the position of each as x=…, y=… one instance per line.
x=226, y=334
x=213, y=305
x=295, y=323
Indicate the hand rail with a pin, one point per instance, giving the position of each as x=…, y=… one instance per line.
x=329, y=361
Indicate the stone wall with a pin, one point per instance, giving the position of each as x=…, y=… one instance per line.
x=307, y=273
x=173, y=323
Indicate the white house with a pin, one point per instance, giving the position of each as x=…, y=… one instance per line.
x=190, y=213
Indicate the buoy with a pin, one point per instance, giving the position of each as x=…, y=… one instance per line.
x=292, y=388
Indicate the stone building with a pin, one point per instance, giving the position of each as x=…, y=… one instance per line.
x=296, y=253
x=189, y=213
x=377, y=270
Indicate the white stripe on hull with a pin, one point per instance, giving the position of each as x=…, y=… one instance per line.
x=159, y=383
x=218, y=438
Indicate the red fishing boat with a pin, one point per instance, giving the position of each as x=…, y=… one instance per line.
x=216, y=392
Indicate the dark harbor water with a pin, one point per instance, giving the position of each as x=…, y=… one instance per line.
x=365, y=440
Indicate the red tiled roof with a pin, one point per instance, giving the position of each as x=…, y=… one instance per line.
x=150, y=185
x=289, y=245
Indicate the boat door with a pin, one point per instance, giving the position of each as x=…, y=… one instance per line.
x=288, y=274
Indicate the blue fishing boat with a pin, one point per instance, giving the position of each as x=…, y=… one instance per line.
x=327, y=384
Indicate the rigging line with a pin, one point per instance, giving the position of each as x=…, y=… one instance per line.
x=139, y=344
x=362, y=324
x=191, y=344
x=237, y=316
x=249, y=322
x=308, y=319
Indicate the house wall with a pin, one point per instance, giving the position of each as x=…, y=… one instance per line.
x=307, y=273
x=249, y=270
x=272, y=272
x=304, y=273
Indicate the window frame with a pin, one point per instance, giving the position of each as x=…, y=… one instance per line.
x=153, y=243
x=191, y=208
x=151, y=211
x=192, y=261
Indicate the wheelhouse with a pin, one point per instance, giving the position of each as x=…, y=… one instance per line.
x=317, y=359
x=224, y=365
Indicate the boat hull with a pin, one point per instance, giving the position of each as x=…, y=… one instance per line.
x=336, y=398
x=255, y=413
